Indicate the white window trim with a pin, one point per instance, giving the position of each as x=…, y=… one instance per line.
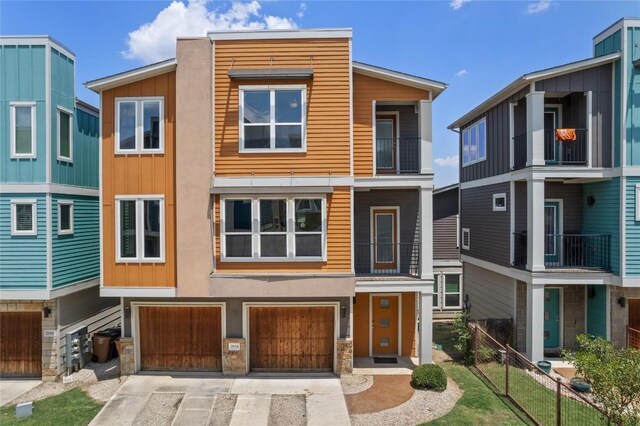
x=139, y=148
x=70, y=230
x=272, y=123
x=498, y=196
x=12, y=123
x=34, y=217
x=477, y=142
x=68, y=159
x=436, y=292
x=255, y=229
x=638, y=202
x=468, y=232
x=444, y=291
x=140, y=199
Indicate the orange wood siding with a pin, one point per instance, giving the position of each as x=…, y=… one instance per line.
x=139, y=174
x=338, y=242
x=328, y=139
x=366, y=90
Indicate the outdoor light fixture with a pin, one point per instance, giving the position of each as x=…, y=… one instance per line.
x=46, y=311
x=467, y=305
x=591, y=200
x=591, y=293
x=343, y=311
x=622, y=301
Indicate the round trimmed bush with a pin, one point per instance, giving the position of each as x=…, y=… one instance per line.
x=429, y=377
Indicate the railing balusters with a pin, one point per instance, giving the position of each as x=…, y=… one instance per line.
x=387, y=259
x=583, y=251
x=556, y=153
x=399, y=155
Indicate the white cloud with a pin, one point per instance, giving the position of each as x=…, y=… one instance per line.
x=462, y=73
x=156, y=40
x=301, y=10
x=451, y=161
x=457, y=4
x=538, y=7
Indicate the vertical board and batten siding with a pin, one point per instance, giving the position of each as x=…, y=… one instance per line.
x=491, y=295
x=598, y=81
x=498, y=142
x=62, y=95
x=603, y=217
x=338, y=242
x=445, y=212
x=327, y=115
x=613, y=44
x=571, y=196
x=489, y=230
x=23, y=263
x=76, y=257
x=366, y=90
x=632, y=237
x=632, y=88
x=139, y=174
x=22, y=78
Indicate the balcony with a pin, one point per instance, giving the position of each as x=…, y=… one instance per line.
x=567, y=251
x=387, y=259
x=572, y=151
x=397, y=155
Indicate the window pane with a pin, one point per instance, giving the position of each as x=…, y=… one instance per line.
x=465, y=147
x=288, y=136
x=288, y=106
x=452, y=300
x=23, y=130
x=151, y=118
x=237, y=216
x=273, y=245
x=482, y=140
x=238, y=245
x=257, y=106
x=473, y=145
x=128, y=228
x=152, y=228
x=127, y=117
x=499, y=202
x=309, y=245
x=65, y=217
x=273, y=216
x=256, y=137
x=452, y=283
x=24, y=217
x=435, y=299
x=308, y=215
x=65, y=132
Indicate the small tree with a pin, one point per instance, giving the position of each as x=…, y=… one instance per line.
x=463, y=337
x=614, y=374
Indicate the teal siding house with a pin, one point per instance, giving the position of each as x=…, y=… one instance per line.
x=49, y=206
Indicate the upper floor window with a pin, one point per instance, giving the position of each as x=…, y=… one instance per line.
x=24, y=217
x=140, y=228
x=65, y=217
x=474, y=143
x=23, y=129
x=65, y=134
x=500, y=202
x=272, y=118
x=139, y=125
x=466, y=239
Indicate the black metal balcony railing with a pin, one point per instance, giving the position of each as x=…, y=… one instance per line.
x=392, y=259
x=570, y=153
x=567, y=251
x=398, y=155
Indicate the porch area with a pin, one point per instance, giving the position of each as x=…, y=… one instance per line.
x=397, y=138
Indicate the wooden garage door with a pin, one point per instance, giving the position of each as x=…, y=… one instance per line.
x=21, y=344
x=180, y=338
x=291, y=338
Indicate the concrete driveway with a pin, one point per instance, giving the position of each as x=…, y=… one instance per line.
x=10, y=389
x=189, y=400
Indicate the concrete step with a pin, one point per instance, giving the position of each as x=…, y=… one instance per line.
x=194, y=410
x=121, y=410
x=251, y=410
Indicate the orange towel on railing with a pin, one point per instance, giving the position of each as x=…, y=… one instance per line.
x=566, y=135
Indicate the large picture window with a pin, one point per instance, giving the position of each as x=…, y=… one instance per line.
x=140, y=229
x=474, y=143
x=273, y=228
x=23, y=129
x=139, y=125
x=272, y=119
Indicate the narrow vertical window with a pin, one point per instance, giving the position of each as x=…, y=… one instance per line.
x=65, y=136
x=273, y=228
x=151, y=124
x=452, y=291
x=308, y=227
x=151, y=229
x=128, y=246
x=23, y=129
x=237, y=227
x=24, y=217
x=65, y=217
x=127, y=126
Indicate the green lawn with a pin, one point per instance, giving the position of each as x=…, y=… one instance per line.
x=70, y=408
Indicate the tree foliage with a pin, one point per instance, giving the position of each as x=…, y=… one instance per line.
x=463, y=337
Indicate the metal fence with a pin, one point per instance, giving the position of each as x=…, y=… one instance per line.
x=633, y=338
x=387, y=259
x=572, y=251
x=398, y=155
x=565, y=152
x=544, y=399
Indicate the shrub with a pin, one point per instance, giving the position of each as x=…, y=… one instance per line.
x=429, y=377
x=463, y=337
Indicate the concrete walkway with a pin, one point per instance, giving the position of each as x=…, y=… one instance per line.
x=10, y=389
x=227, y=401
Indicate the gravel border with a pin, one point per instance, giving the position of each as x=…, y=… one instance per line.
x=288, y=410
x=223, y=409
x=355, y=383
x=423, y=406
x=160, y=409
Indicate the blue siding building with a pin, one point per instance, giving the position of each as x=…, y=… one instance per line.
x=49, y=200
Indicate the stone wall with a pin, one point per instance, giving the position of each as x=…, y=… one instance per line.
x=126, y=354
x=344, y=347
x=234, y=362
x=620, y=315
x=574, y=314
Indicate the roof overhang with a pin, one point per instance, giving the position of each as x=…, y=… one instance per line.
x=271, y=73
x=447, y=188
x=130, y=76
x=280, y=34
x=527, y=79
x=433, y=86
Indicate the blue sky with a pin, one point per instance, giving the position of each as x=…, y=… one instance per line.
x=476, y=46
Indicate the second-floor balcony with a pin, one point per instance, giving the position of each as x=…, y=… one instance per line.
x=397, y=155
x=387, y=259
x=562, y=147
x=567, y=251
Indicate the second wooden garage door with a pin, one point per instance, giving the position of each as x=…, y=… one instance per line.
x=20, y=344
x=180, y=338
x=291, y=339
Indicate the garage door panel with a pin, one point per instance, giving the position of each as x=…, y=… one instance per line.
x=20, y=344
x=180, y=338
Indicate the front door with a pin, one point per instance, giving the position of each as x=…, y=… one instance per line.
x=386, y=143
x=552, y=239
x=551, y=145
x=551, y=317
x=384, y=325
x=385, y=240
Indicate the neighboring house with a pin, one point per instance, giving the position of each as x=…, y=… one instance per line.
x=267, y=205
x=447, y=268
x=49, y=221
x=550, y=220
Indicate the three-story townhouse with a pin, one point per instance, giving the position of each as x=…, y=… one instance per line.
x=49, y=228
x=267, y=205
